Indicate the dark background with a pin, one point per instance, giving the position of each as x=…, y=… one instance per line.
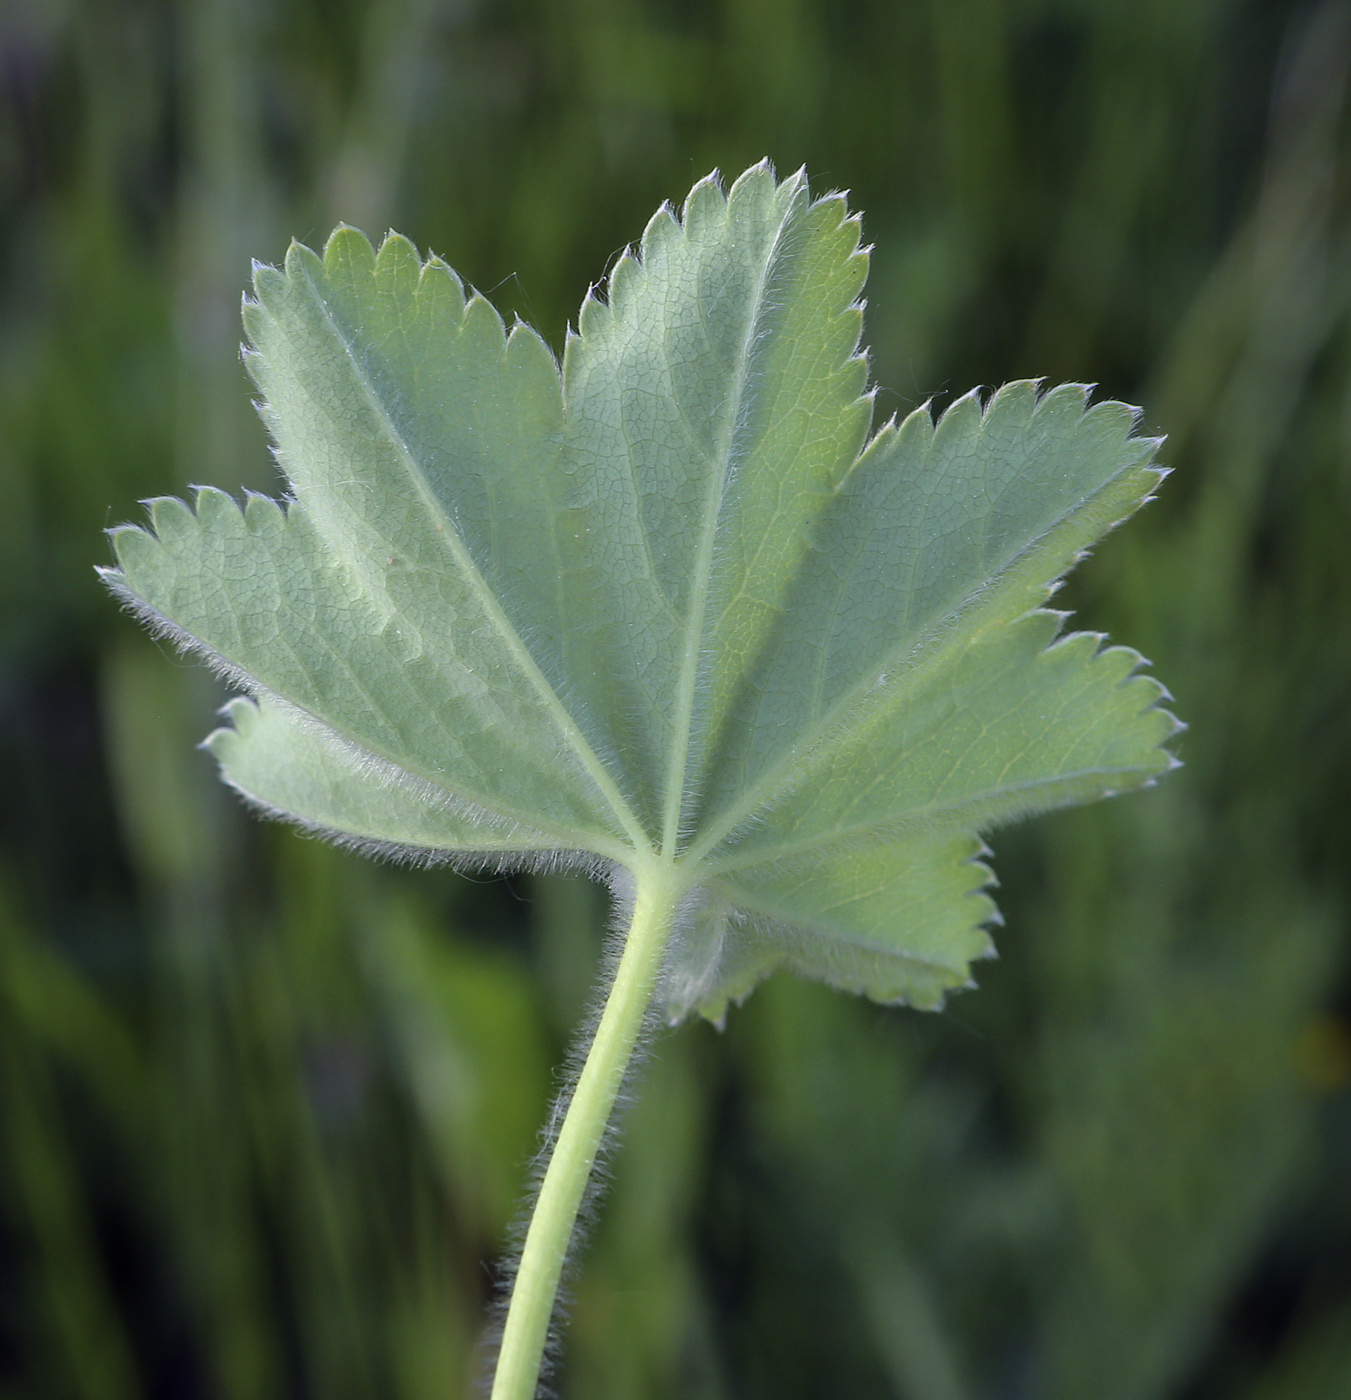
x=265, y=1109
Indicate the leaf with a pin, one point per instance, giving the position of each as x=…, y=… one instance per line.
x=669, y=602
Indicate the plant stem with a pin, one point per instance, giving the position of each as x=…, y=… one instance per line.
x=579, y=1139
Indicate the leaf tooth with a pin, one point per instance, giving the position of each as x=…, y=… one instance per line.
x=959, y=419
x=1138, y=662
x=1090, y=643
x=663, y=229
x=302, y=265
x=263, y=513
x=918, y=423
x=1015, y=402
x=524, y=343
x=756, y=186
x=881, y=439
x=1051, y=622
x=594, y=318
x=170, y=517
x=269, y=286
x=794, y=186
x=240, y=711
x=982, y=852
x=1118, y=418
x=1159, y=700
x=1069, y=400
x=256, y=320
x=883, y=444
x=347, y=247
x=705, y=202
x=1165, y=694
x=438, y=279
x=261, y=276
x=483, y=323
x=1159, y=473
x=398, y=260
x=216, y=510
x=752, y=186
x=624, y=284
x=836, y=202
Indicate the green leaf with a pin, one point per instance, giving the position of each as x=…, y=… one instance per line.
x=667, y=603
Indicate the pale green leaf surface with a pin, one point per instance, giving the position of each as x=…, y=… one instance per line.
x=400, y=671
x=286, y=763
x=667, y=601
x=835, y=916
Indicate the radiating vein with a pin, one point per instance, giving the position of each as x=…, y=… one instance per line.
x=703, y=563
x=802, y=759
x=969, y=806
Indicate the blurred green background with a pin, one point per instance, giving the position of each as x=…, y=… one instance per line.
x=266, y=1109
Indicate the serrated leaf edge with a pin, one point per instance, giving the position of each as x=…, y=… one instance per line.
x=418, y=785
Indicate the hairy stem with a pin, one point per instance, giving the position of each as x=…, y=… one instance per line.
x=579, y=1139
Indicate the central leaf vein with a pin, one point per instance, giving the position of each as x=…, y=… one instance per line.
x=682, y=729
x=482, y=594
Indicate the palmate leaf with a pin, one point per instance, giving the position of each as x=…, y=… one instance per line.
x=670, y=602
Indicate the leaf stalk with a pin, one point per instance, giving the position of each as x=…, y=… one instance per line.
x=549, y=1235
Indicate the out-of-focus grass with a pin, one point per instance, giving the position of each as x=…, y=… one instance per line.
x=265, y=1111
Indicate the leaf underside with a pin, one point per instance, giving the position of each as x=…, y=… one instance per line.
x=669, y=598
